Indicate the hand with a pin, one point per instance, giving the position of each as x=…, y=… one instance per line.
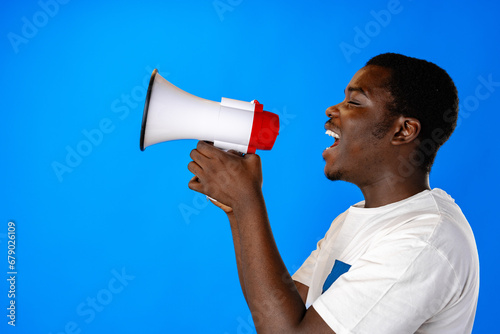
x=228, y=177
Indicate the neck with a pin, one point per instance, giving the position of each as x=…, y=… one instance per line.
x=391, y=188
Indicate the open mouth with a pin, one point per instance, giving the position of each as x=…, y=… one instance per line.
x=334, y=135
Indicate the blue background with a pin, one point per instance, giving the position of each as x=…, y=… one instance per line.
x=80, y=68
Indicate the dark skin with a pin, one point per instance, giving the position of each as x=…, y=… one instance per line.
x=369, y=160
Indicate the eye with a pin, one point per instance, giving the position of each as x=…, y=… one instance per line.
x=354, y=103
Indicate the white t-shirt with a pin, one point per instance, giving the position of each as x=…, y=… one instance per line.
x=407, y=267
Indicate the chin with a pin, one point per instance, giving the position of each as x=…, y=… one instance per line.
x=334, y=175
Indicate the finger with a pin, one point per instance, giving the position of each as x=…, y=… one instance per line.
x=194, y=168
x=195, y=179
x=209, y=150
x=198, y=157
x=255, y=158
x=195, y=184
x=206, y=148
x=236, y=153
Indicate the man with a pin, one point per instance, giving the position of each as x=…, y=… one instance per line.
x=402, y=261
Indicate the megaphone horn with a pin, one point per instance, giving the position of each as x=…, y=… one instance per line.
x=171, y=113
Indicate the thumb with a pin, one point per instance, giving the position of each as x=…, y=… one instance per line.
x=224, y=207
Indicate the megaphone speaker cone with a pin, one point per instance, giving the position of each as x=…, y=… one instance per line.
x=171, y=114
x=146, y=108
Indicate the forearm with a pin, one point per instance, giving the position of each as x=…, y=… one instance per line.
x=237, y=250
x=271, y=294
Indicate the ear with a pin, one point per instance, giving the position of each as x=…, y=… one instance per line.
x=406, y=131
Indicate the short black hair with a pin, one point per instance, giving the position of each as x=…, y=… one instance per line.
x=422, y=90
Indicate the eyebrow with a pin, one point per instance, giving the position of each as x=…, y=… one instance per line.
x=356, y=89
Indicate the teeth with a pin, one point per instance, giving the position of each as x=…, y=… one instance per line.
x=332, y=134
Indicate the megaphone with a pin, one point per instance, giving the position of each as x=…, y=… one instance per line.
x=171, y=113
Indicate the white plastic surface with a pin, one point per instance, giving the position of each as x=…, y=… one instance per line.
x=175, y=114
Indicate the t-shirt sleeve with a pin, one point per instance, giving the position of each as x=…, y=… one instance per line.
x=305, y=272
x=398, y=284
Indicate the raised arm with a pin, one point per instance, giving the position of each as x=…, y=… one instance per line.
x=272, y=296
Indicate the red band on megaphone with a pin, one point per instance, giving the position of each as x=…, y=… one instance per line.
x=265, y=129
x=258, y=107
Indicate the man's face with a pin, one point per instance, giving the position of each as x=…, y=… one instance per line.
x=361, y=123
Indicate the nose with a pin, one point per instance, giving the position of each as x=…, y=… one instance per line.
x=332, y=111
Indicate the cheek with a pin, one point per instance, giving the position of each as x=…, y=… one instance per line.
x=365, y=146
x=358, y=148
x=358, y=137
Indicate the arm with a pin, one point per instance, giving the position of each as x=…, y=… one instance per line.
x=237, y=251
x=236, y=239
x=302, y=289
x=272, y=296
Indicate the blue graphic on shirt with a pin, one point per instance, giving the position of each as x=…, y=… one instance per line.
x=338, y=269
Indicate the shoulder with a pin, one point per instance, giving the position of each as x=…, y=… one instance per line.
x=431, y=216
x=453, y=237
x=442, y=224
x=439, y=232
